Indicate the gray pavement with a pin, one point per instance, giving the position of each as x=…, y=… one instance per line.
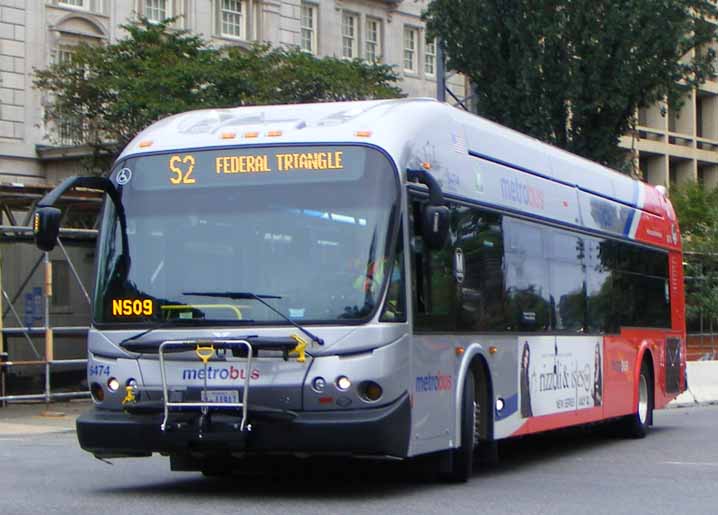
x=673, y=470
x=38, y=418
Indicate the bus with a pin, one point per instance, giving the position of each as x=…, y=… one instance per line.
x=376, y=279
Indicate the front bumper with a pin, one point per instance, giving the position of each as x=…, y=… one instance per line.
x=382, y=431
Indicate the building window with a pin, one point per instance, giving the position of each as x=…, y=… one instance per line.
x=373, y=40
x=430, y=57
x=74, y=3
x=234, y=18
x=71, y=130
x=309, y=29
x=350, y=40
x=157, y=10
x=411, y=36
x=64, y=55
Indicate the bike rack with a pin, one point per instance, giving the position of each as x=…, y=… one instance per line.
x=205, y=350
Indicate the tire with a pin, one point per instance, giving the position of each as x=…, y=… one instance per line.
x=637, y=424
x=461, y=459
x=486, y=449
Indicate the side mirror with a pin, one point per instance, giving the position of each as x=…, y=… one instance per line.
x=435, y=214
x=46, y=221
x=435, y=225
x=46, y=227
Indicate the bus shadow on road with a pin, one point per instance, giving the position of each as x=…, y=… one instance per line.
x=553, y=446
x=346, y=479
x=299, y=479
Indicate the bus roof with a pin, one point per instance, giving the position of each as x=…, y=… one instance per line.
x=470, y=156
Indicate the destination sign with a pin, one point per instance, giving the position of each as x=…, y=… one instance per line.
x=243, y=167
x=306, y=161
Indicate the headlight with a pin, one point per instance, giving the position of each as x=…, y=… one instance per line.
x=343, y=383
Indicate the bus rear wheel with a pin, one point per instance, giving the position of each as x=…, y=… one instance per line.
x=637, y=424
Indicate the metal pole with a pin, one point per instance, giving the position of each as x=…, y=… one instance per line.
x=440, y=72
x=49, y=345
x=2, y=338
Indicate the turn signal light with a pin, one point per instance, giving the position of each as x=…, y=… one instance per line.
x=370, y=391
x=97, y=393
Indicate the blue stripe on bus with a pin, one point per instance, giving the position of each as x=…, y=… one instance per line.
x=511, y=406
x=629, y=221
x=552, y=179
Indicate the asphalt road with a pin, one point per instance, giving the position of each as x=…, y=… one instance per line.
x=673, y=470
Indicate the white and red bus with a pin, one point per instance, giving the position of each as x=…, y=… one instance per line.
x=386, y=279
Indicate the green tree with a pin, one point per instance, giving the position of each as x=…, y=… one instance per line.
x=697, y=211
x=574, y=72
x=106, y=94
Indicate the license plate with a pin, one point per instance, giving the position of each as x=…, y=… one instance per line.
x=223, y=396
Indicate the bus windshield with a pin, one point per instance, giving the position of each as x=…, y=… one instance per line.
x=309, y=227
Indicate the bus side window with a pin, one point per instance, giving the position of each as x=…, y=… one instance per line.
x=395, y=307
x=433, y=285
x=529, y=303
x=567, y=277
x=632, y=287
x=482, y=293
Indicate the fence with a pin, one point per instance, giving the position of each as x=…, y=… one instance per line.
x=702, y=346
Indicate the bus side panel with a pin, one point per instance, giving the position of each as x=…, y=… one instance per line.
x=678, y=301
x=618, y=365
x=548, y=422
x=433, y=388
x=620, y=368
x=668, y=358
x=560, y=381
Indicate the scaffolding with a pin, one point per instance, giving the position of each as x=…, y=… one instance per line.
x=80, y=211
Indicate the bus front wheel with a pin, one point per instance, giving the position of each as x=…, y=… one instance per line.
x=461, y=460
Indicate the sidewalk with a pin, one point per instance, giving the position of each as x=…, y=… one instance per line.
x=39, y=418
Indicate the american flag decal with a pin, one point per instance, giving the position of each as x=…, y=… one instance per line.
x=458, y=143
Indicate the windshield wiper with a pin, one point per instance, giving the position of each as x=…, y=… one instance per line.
x=173, y=321
x=244, y=295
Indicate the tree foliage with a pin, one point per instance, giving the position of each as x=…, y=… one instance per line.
x=106, y=94
x=574, y=72
x=697, y=210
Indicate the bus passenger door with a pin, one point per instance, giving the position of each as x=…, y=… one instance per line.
x=434, y=364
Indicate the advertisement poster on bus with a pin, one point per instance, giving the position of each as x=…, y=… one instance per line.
x=559, y=374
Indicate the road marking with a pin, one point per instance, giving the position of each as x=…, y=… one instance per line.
x=692, y=463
